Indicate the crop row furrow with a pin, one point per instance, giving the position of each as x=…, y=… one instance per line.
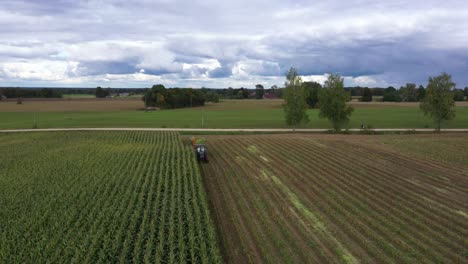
x=328, y=202
x=402, y=194
x=364, y=190
x=314, y=191
x=240, y=211
x=409, y=195
x=271, y=234
x=325, y=250
x=429, y=176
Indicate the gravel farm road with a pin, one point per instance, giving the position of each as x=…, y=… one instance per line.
x=253, y=130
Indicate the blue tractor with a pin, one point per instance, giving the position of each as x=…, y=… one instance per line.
x=201, y=151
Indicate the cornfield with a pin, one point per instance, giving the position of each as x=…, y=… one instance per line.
x=102, y=197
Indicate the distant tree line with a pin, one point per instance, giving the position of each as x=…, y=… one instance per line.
x=159, y=96
x=30, y=93
x=407, y=93
x=437, y=101
x=235, y=93
x=244, y=93
x=109, y=90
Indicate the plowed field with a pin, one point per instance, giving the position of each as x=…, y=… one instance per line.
x=322, y=199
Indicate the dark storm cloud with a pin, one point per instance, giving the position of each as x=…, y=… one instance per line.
x=106, y=67
x=43, y=7
x=221, y=72
x=215, y=43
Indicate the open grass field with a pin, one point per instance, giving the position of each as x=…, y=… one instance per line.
x=102, y=197
x=336, y=198
x=226, y=114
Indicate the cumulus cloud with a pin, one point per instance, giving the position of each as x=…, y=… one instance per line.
x=230, y=43
x=37, y=70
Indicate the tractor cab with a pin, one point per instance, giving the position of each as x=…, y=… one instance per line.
x=200, y=149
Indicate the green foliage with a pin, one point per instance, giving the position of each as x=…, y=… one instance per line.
x=243, y=93
x=101, y=93
x=332, y=104
x=438, y=102
x=366, y=95
x=278, y=92
x=295, y=105
x=50, y=93
x=311, y=90
x=259, y=91
x=391, y=95
x=159, y=88
x=458, y=95
x=103, y=197
x=155, y=96
x=31, y=92
x=421, y=93
x=212, y=97
x=161, y=97
x=409, y=93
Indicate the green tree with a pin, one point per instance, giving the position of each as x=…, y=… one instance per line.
x=156, y=96
x=458, y=95
x=366, y=95
x=312, y=90
x=160, y=94
x=421, y=93
x=275, y=90
x=391, y=95
x=409, y=93
x=230, y=92
x=332, y=102
x=101, y=93
x=295, y=107
x=161, y=97
x=212, y=97
x=438, y=102
x=259, y=91
x=242, y=93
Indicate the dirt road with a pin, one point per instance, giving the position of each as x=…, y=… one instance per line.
x=265, y=130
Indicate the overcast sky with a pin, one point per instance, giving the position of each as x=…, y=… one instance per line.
x=214, y=43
